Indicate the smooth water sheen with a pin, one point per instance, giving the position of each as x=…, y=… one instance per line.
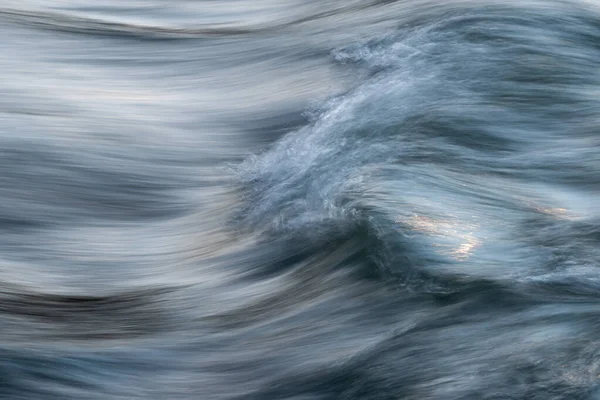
x=299, y=199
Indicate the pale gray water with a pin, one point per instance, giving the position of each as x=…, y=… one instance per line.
x=299, y=199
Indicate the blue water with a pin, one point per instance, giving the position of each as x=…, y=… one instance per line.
x=285, y=199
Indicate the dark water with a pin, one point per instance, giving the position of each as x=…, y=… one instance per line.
x=292, y=199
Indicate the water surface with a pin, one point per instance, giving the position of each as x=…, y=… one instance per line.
x=281, y=199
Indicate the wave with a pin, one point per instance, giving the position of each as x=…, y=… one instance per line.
x=456, y=116
x=364, y=200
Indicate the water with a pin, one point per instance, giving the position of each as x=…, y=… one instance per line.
x=285, y=199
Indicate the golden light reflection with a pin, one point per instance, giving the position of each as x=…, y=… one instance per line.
x=450, y=229
x=555, y=212
x=465, y=249
x=559, y=213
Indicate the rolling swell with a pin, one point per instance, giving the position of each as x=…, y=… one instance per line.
x=428, y=229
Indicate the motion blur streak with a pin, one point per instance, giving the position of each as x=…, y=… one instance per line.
x=299, y=199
